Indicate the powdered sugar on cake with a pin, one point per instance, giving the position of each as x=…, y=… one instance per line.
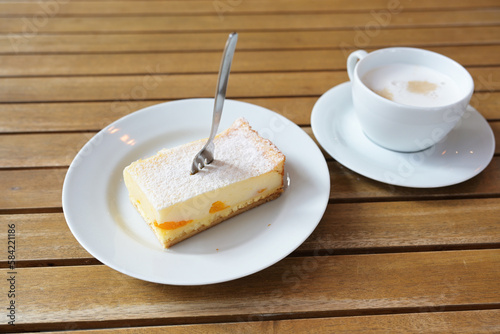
x=240, y=153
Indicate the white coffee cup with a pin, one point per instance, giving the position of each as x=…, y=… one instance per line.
x=402, y=127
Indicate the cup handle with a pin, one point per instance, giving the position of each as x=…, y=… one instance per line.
x=352, y=60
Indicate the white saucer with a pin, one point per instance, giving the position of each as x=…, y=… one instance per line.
x=100, y=216
x=463, y=154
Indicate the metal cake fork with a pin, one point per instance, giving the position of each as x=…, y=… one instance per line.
x=206, y=154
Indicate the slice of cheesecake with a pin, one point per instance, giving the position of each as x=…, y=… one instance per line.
x=247, y=171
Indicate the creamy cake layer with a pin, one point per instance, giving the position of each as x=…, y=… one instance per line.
x=199, y=212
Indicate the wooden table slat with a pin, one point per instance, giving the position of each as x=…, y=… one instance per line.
x=208, y=62
x=242, y=23
x=345, y=40
x=223, y=9
x=346, y=186
x=27, y=188
x=478, y=322
x=153, y=86
x=336, y=285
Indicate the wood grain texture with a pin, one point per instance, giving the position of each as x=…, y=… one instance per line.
x=41, y=188
x=336, y=285
x=27, y=188
x=345, y=228
x=152, y=86
x=456, y=322
x=349, y=186
x=409, y=225
x=39, y=150
x=80, y=116
x=223, y=9
x=94, y=116
x=345, y=40
x=473, y=322
x=42, y=237
x=208, y=62
x=244, y=23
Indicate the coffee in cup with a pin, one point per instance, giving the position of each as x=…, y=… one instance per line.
x=412, y=85
x=407, y=99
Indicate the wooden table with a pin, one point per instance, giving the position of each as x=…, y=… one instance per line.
x=383, y=258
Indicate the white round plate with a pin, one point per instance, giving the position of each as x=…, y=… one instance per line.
x=464, y=153
x=99, y=213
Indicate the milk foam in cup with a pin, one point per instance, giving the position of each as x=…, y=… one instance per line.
x=412, y=85
x=407, y=99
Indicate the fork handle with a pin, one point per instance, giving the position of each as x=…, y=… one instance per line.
x=220, y=92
